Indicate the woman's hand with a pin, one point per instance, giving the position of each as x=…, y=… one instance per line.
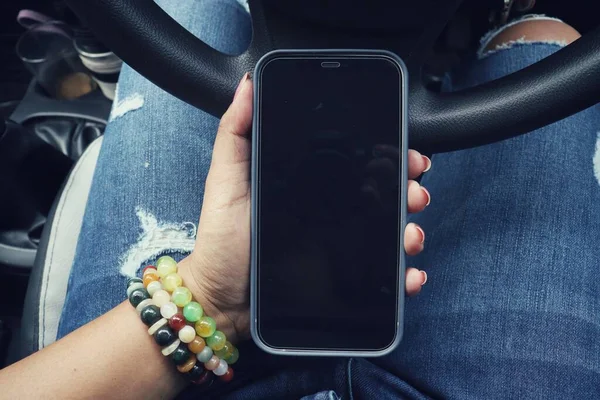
x=217, y=271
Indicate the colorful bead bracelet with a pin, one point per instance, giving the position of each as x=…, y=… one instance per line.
x=179, y=326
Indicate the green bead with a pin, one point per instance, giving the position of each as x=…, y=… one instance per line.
x=233, y=357
x=205, y=327
x=216, y=341
x=137, y=296
x=165, y=266
x=192, y=311
x=131, y=281
x=171, y=282
x=181, y=296
x=181, y=354
x=226, y=351
x=150, y=315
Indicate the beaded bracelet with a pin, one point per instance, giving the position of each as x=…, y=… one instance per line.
x=179, y=326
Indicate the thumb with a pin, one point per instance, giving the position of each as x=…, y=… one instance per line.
x=232, y=144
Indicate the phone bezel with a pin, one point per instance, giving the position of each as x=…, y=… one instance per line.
x=403, y=176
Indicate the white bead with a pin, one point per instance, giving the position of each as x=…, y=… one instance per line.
x=168, y=310
x=153, y=287
x=137, y=285
x=143, y=304
x=167, y=351
x=161, y=297
x=205, y=354
x=221, y=368
x=187, y=334
x=158, y=324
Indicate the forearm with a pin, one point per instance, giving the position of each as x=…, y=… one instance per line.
x=112, y=356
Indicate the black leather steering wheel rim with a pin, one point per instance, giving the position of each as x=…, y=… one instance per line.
x=545, y=92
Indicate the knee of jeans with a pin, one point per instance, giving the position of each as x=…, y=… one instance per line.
x=157, y=238
x=527, y=30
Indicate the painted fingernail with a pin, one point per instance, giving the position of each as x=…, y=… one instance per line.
x=427, y=194
x=244, y=79
x=427, y=163
x=421, y=232
x=424, y=274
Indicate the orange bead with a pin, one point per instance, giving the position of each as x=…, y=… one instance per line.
x=149, y=268
x=150, y=277
x=197, y=345
x=228, y=376
x=185, y=367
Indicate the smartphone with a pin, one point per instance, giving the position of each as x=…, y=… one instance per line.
x=329, y=180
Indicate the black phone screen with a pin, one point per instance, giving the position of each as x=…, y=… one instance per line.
x=328, y=202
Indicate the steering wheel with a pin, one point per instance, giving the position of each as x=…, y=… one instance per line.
x=545, y=92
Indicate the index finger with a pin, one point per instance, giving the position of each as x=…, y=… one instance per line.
x=417, y=164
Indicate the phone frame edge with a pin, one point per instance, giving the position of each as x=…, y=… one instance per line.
x=403, y=176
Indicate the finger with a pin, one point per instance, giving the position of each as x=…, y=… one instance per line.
x=417, y=164
x=418, y=197
x=232, y=145
x=228, y=181
x=414, y=239
x=415, y=280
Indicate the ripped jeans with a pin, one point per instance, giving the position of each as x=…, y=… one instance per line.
x=511, y=308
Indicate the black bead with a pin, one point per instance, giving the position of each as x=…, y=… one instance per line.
x=181, y=354
x=164, y=336
x=204, y=380
x=196, y=371
x=131, y=281
x=150, y=315
x=137, y=296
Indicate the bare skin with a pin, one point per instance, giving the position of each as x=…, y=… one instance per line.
x=535, y=31
x=113, y=356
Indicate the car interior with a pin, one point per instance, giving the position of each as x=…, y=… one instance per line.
x=50, y=136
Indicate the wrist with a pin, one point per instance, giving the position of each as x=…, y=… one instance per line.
x=205, y=295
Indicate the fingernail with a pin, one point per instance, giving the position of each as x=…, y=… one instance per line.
x=424, y=274
x=421, y=232
x=427, y=194
x=244, y=79
x=427, y=162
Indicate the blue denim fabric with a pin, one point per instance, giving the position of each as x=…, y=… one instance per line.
x=511, y=308
x=155, y=158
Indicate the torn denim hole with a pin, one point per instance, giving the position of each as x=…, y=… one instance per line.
x=122, y=107
x=488, y=37
x=116, y=99
x=244, y=4
x=596, y=159
x=157, y=238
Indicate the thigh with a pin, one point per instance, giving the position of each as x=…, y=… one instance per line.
x=148, y=186
x=511, y=307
